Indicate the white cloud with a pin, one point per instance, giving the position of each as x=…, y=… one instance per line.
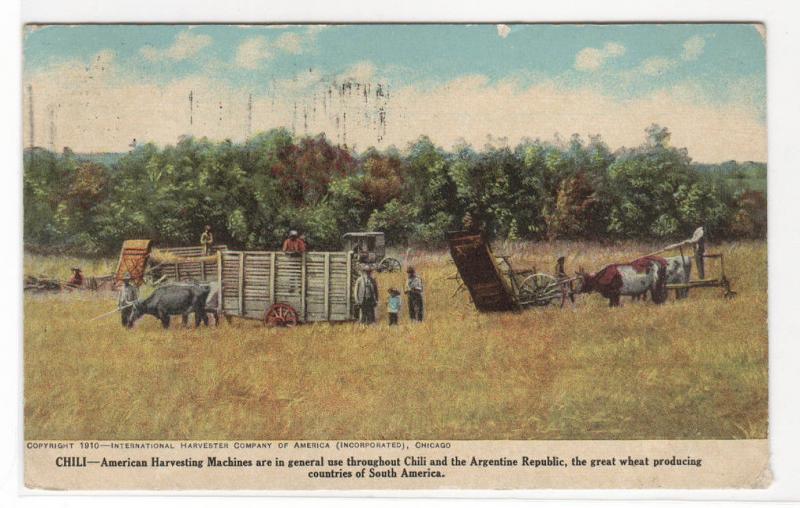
x=361, y=71
x=252, y=52
x=106, y=112
x=255, y=50
x=290, y=43
x=693, y=48
x=503, y=30
x=186, y=45
x=592, y=59
x=656, y=65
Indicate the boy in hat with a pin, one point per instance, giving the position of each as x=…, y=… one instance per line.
x=393, y=305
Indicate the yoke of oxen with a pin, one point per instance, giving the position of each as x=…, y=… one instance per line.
x=644, y=264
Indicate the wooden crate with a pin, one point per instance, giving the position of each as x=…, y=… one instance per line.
x=318, y=285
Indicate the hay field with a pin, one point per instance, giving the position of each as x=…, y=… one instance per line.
x=694, y=369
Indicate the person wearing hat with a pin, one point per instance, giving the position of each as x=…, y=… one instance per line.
x=128, y=295
x=366, y=296
x=77, y=277
x=414, y=292
x=206, y=240
x=294, y=243
x=393, y=305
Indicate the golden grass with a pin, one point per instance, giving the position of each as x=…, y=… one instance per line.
x=59, y=267
x=696, y=368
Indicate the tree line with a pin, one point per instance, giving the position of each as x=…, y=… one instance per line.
x=253, y=192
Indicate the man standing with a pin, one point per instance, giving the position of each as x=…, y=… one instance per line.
x=206, y=240
x=699, y=256
x=128, y=295
x=366, y=296
x=294, y=243
x=414, y=292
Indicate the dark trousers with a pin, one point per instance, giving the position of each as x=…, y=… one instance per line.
x=393, y=318
x=415, y=307
x=367, y=313
x=126, y=314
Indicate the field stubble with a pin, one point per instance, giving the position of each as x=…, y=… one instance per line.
x=689, y=369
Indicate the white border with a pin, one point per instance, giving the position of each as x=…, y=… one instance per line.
x=783, y=51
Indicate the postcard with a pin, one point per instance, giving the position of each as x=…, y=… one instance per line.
x=395, y=256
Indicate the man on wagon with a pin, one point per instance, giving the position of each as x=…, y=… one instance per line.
x=128, y=295
x=206, y=240
x=294, y=243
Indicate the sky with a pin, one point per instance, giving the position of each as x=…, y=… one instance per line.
x=96, y=88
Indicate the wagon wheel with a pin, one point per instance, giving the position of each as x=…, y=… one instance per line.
x=390, y=265
x=541, y=289
x=280, y=314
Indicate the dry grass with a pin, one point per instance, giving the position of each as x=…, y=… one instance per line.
x=696, y=368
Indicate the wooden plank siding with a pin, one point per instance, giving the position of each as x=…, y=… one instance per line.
x=190, y=270
x=318, y=285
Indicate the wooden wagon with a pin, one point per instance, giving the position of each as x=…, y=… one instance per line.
x=493, y=284
x=284, y=289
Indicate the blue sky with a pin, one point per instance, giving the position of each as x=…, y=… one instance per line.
x=714, y=66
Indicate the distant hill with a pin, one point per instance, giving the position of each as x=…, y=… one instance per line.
x=747, y=175
x=106, y=158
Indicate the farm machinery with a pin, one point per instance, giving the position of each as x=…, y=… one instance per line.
x=495, y=285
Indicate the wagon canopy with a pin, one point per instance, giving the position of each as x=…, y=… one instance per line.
x=489, y=289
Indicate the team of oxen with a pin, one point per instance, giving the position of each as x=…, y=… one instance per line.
x=637, y=278
x=178, y=299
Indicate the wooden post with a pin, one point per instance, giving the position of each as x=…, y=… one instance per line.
x=271, y=278
x=177, y=272
x=349, y=283
x=326, y=282
x=220, y=310
x=241, y=284
x=202, y=270
x=303, y=287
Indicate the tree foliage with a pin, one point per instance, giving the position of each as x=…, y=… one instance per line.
x=252, y=193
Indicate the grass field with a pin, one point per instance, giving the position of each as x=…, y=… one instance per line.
x=694, y=369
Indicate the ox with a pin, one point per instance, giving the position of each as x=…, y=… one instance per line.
x=172, y=300
x=629, y=279
x=679, y=270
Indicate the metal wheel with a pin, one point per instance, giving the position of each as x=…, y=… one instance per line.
x=281, y=314
x=541, y=289
x=390, y=265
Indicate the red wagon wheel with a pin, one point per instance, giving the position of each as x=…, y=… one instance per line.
x=280, y=314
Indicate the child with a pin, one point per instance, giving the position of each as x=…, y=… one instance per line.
x=394, y=305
